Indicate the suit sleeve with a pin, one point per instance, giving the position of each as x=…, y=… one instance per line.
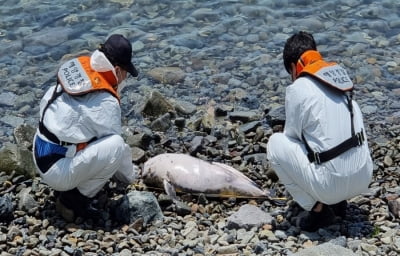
x=294, y=112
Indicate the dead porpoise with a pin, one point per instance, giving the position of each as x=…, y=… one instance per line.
x=184, y=173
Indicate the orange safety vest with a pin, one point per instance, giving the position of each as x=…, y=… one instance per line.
x=77, y=78
x=331, y=73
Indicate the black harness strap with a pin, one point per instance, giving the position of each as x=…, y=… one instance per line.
x=321, y=157
x=350, y=106
x=355, y=140
x=42, y=128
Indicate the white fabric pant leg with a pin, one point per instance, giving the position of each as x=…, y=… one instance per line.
x=288, y=158
x=92, y=167
x=127, y=171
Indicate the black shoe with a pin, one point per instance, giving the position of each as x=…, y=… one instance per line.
x=315, y=220
x=72, y=204
x=67, y=213
x=339, y=209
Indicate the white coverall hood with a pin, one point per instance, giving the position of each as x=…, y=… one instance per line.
x=100, y=63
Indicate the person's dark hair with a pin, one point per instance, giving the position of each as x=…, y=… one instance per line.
x=295, y=46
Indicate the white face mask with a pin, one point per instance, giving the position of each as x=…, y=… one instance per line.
x=121, y=86
x=100, y=63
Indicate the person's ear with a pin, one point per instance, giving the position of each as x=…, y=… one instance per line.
x=117, y=69
x=293, y=71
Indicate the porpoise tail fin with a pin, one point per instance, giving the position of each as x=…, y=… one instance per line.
x=169, y=189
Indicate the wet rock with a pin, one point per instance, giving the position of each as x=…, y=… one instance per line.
x=141, y=140
x=165, y=201
x=188, y=41
x=196, y=144
x=26, y=201
x=204, y=14
x=260, y=248
x=256, y=158
x=394, y=207
x=6, y=208
x=249, y=127
x=276, y=116
x=18, y=159
x=182, y=209
x=157, y=105
x=243, y=116
x=13, y=121
x=138, y=154
x=370, y=109
x=23, y=135
x=162, y=124
x=208, y=120
x=7, y=98
x=222, y=110
x=271, y=174
x=13, y=46
x=180, y=122
x=135, y=205
x=221, y=78
x=167, y=75
x=184, y=107
x=50, y=36
x=125, y=3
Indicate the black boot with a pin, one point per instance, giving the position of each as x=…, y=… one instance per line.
x=315, y=220
x=340, y=209
x=72, y=204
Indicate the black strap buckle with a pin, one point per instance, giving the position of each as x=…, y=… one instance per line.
x=65, y=144
x=316, y=158
x=360, y=138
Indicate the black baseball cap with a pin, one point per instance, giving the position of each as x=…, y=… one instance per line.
x=118, y=51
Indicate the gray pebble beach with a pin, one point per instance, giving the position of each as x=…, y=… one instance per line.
x=211, y=84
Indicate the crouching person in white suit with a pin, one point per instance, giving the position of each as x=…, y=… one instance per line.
x=78, y=146
x=322, y=157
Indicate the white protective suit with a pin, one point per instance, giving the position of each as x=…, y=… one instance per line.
x=77, y=119
x=322, y=115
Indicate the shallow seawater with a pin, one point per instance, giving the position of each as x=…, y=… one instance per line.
x=225, y=47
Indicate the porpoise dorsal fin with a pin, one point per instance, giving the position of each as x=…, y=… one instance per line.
x=169, y=189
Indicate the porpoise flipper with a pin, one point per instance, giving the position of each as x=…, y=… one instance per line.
x=169, y=189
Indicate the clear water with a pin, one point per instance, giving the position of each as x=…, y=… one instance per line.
x=204, y=38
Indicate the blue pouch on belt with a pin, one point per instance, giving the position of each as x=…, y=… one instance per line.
x=47, y=153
